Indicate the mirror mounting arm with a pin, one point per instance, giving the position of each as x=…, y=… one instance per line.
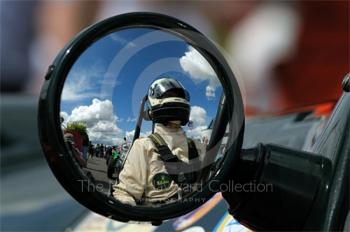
x=139, y=120
x=275, y=188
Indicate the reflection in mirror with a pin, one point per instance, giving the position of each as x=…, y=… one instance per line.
x=137, y=110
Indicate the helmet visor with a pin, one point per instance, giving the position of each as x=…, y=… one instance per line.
x=169, y=88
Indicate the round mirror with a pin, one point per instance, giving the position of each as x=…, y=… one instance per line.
x=141, y=118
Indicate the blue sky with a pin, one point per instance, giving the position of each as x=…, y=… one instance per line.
x=121, y=66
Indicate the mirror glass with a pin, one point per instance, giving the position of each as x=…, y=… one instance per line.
x=137, y=111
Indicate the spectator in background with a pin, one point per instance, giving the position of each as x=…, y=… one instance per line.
x=97, y=150
x=114, y=165
x=108, y=154
x=85, y=143
x=91, y=150
x=102, y=148
x=125, y=145
x=76, y=153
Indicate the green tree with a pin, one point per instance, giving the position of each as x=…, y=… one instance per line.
x=77, y=126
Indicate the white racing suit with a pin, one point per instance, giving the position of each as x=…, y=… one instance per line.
x=144, y=176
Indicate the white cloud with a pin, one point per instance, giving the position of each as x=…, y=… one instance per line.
x=100, y=120
x=198, y=117
x=97, y=111
x=130, y=134
x=197, y=132
x=210, y=92
x=129, y=119
x=200, y=70
x=120, y=119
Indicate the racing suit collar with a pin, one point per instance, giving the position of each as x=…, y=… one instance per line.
x=173, y=136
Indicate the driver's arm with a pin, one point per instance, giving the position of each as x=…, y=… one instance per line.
x=132, y=179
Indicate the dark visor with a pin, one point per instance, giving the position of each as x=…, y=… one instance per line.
x=169, y=88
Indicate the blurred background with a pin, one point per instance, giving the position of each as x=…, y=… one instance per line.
x=288, y=56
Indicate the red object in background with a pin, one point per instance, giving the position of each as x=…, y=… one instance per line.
x=78, y=140
x=315, y=72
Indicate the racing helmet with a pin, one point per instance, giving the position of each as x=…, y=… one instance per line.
x=168, y=101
